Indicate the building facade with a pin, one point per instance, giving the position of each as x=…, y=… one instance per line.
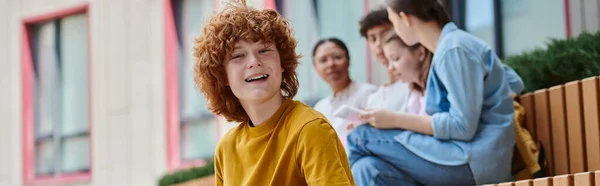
x=98, y=93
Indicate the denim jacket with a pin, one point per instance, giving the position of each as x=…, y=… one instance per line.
x=470, y=101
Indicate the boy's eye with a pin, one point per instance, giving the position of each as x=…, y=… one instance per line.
x=264, y=50
x=237, y=56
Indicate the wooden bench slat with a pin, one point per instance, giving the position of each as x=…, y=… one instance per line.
x=559, y=130
x=542, y=182
x=575, y=133
x=563, y=180
x=506, y=184
x=579, y=179
x=592, y=123
x=527, y=101
x=584, y=179
x=544, y=128
x=524, y=183
x=597, y=178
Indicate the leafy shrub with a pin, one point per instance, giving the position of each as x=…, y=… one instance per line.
x=563, y=60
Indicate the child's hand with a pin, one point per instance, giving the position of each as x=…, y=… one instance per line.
x=350, y=126
x=379, y=118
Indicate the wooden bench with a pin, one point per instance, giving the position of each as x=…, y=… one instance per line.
x=579, y=179
x=566, y=120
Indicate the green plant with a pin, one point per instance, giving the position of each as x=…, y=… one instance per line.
x=187, y=174
x=562, y=61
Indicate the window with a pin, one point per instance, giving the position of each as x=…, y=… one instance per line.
x=56, y=97
x=340, y=18
x=327, y=19
x=300, y=14
x=479, y=20
x=506, y=25
x=194, y=133
x=531, y=24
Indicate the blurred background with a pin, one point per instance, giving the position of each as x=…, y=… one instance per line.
x=100, y=92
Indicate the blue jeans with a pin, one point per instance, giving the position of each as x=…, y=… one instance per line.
x=376, y=158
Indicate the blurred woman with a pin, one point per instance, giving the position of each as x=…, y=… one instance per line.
x=331, y=60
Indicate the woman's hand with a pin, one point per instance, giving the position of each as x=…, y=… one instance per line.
x=380, y=118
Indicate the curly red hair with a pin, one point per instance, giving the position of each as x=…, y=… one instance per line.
x=215, y=45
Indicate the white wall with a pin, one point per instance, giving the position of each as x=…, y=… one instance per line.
x=128, y=115
x=10, y=104
x=128, y=93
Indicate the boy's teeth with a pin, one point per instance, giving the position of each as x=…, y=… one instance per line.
x=256, y=77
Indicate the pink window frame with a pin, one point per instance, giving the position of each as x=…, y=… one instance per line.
x=172, y=94
x=567, y=7
x=28, y=137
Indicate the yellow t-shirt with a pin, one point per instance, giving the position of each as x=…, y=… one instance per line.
x=296, y=146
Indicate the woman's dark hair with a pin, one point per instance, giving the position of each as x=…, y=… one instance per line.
x=335, y=41
x=425, y=10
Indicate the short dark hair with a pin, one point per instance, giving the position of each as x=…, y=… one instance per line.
x=375, y=18
x=335, y=41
